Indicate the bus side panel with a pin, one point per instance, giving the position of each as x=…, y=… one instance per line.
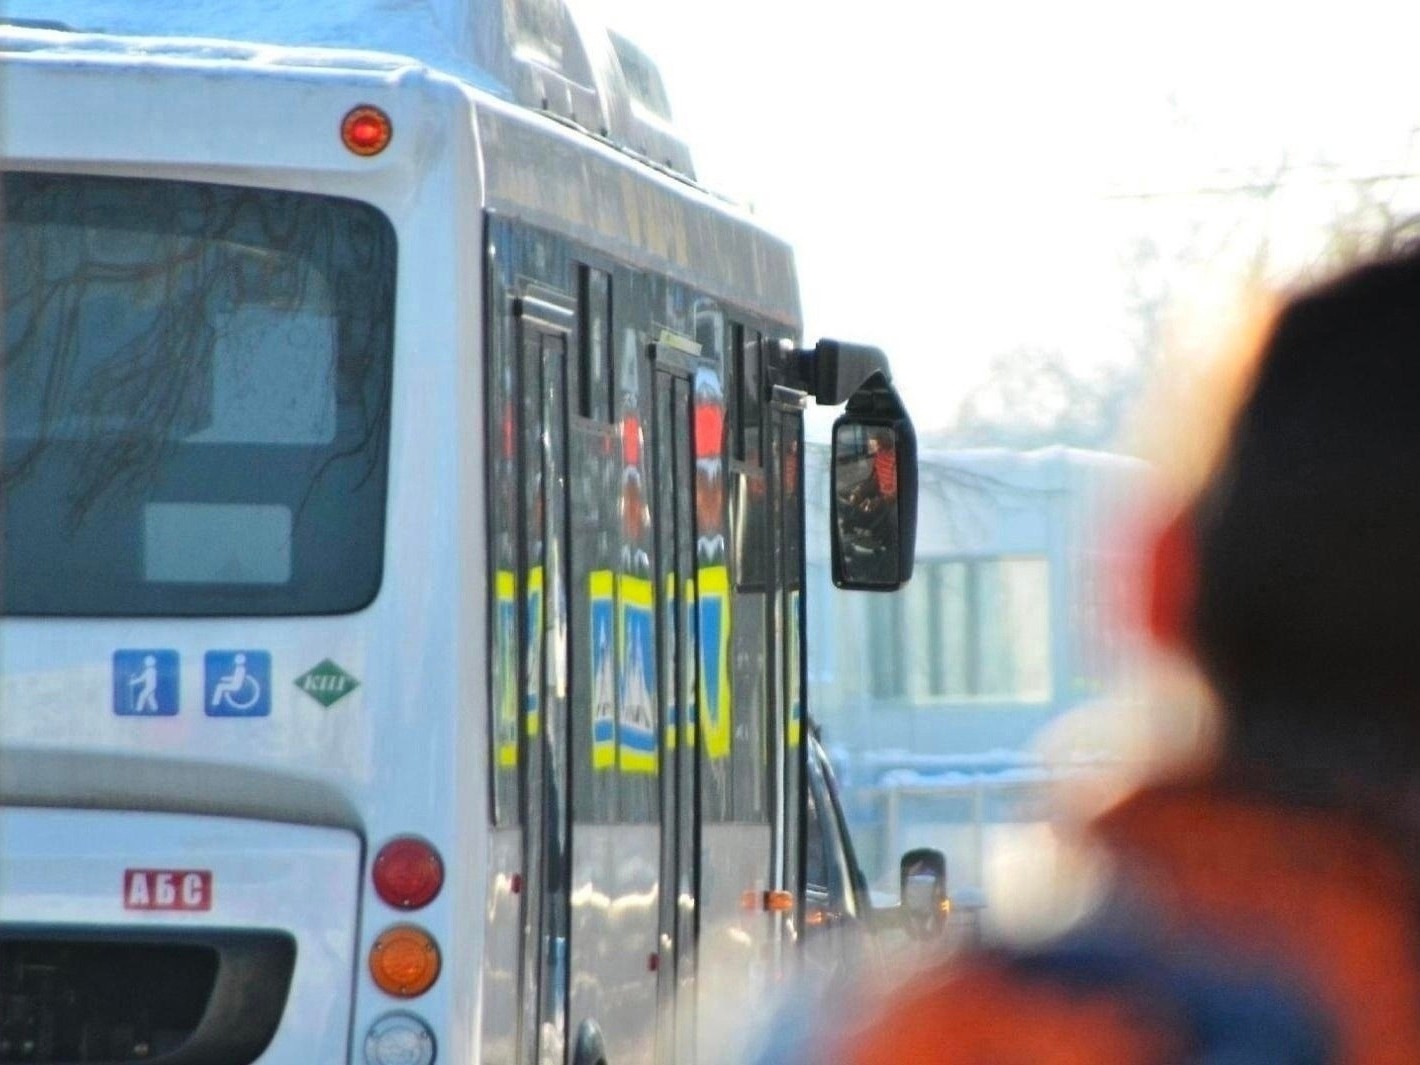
x=735, y=938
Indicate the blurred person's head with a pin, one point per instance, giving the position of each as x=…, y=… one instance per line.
x=1293, y=579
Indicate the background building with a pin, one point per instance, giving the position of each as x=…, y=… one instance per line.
x=930, y=698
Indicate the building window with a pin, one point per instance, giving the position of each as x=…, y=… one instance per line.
x=965, y=629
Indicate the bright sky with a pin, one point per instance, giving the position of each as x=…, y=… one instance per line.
x=942, y=168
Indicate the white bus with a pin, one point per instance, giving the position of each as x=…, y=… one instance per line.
x=401, y=569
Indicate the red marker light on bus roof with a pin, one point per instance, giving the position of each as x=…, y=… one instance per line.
x=366, y=130
x=407, y=873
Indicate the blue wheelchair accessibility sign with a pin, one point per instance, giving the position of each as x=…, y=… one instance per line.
x=237, y=684
x=145, y=683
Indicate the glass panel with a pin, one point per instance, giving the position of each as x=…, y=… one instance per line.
x=865, y=507
x=208, y=543
x=503, y=507
x=886, y=618
x=713, y=623
x=954, y=629
x=978, y=629
x=533, y=623
x=594, y=394
x=1014, y=627
x=593, y=526
x=911, y=654
x=789, y=455
x=186, y=368
x=750, y=397
x=749, y=684
x=556, y=835
x=815, y=858
x=751, y=530
x=636, y=733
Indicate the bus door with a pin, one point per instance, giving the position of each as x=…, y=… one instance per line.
x=675, y=572
x=544, y=324
x=786, y=433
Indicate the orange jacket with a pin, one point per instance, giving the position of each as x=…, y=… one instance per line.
x=1283, y=932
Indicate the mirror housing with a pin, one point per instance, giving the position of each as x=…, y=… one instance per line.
x=923, y=878
x=874, y=539
x=873, y=488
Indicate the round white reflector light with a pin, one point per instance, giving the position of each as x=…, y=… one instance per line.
x=399, y=1039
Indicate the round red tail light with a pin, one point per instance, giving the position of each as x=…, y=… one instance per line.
x=366, y=130
x=407, y=873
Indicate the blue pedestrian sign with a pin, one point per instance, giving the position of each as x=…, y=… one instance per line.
x=237, y=684
x=145, y=683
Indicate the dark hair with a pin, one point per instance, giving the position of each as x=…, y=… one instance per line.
x=1307, y=617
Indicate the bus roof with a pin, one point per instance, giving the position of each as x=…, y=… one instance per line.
x=547, y=55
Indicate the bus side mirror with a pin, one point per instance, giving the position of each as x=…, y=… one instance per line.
x=925, y=904
x=874, y=487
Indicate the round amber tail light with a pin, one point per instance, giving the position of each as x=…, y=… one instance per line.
x=404, y=961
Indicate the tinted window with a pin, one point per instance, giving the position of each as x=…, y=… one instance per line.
x=196, y=398
x=594, y=363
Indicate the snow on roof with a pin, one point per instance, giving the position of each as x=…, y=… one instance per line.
x=548, y=55
x=414, y=28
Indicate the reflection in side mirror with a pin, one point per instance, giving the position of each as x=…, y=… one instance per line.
x=874, y=503
x=925, y=905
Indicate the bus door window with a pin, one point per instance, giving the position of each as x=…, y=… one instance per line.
x=688, y=764
x=636, y=733
x=544, y=326
x=787, y=462
x=674, y=574
x=753, y=579
x=594, y=467
x=556, y=829
x=530, y=574
x=593, y=391
x=504, y=510
x=715, y=710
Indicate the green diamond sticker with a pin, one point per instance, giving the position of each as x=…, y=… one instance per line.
x=327, y=683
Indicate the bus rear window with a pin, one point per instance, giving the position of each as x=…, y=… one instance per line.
x=195, y=398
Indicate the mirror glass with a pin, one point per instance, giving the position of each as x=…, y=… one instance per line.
x=924, y=889
x=921, y=895
x=865, y=464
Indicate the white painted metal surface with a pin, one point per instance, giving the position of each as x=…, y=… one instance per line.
x=62, y=869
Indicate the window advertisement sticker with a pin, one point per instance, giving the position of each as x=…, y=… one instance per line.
x=145, y=683
x=714, y=633
x=237, y=684
x=636, y=731
x=603, y=608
